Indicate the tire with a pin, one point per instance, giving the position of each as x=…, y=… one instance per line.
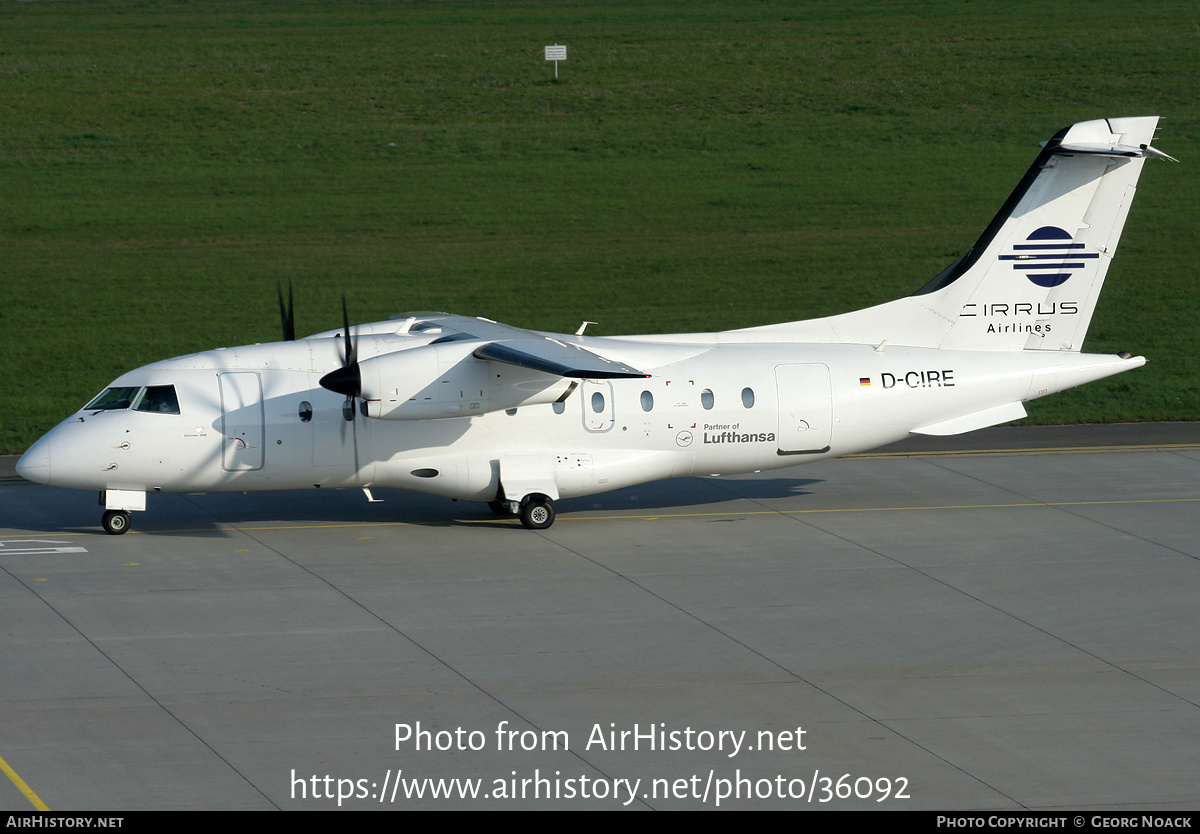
x=116, y=522
x=537, y=513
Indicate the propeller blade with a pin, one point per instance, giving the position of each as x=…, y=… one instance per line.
x=354, y=436
x=346, y=380
x=351, y=359
x=287, y=316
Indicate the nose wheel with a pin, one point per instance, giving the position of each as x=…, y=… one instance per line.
x=116, y=522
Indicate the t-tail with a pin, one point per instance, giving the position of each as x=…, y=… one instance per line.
x=1032, y=279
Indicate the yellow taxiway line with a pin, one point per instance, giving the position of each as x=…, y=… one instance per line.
x=1033, y=450
x=22, y=787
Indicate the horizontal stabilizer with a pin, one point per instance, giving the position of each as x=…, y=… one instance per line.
x=1107, y=149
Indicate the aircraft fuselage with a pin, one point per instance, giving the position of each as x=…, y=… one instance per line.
x=255, y=418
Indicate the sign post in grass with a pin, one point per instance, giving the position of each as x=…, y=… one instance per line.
x=556, y=53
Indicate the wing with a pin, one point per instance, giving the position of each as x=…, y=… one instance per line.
x=554, y=357
x=538, y=352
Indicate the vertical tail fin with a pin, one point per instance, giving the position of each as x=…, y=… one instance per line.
x=1033, y=278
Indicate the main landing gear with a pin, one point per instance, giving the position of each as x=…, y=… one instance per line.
x=535, y=511
x=116, y=522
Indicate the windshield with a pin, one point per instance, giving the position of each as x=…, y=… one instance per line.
x=155, y=399
x=159, y=399
x=112, y=398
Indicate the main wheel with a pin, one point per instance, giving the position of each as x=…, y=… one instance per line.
x=115, y=522
x=537, y=513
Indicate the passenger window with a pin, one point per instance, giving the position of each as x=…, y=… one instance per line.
x=748, y=397
x=706, y=399
x=158, y=399
x=305, y=411
x=598, y=402
x=647, y=401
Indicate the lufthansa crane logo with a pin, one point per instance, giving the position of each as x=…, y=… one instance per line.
x=1049, y=256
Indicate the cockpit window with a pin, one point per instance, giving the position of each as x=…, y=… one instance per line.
x=159, y=399
x=112, y=398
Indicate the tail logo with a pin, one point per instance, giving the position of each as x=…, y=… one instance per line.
x=1049, y=257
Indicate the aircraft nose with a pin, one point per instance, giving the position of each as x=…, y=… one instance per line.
x=34, y=465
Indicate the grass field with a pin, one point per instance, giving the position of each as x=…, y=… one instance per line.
x=698, y=166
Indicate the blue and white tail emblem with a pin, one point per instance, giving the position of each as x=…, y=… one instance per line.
x=1049, y=257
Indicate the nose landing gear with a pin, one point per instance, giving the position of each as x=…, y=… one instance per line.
x=116, y=522
x=119, y=503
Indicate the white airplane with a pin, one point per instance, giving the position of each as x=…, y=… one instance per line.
x=471, y=409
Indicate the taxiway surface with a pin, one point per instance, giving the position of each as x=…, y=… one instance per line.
x=995, y=630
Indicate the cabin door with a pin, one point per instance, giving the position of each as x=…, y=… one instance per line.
x=242, y=421
x=805, y=409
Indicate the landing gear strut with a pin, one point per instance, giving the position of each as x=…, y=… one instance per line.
x=537, y=512
x=116, y=522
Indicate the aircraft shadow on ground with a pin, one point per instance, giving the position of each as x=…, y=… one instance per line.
x=46, y=510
